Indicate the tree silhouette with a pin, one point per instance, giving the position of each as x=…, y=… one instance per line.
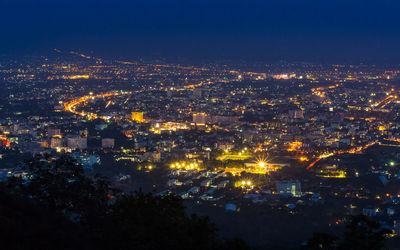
x=64, y=188
x=322, y=241
x=59, y=207
x=362, y=233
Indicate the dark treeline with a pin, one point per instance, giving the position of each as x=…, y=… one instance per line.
x=361, y=234
x=60, y=208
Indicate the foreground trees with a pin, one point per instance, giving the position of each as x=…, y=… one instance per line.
x=362, y=233
x=58, y=207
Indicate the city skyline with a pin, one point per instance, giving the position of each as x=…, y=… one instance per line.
x=187, y=124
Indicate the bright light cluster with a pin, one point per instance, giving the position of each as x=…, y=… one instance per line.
x=244, y=184
x=184, y=165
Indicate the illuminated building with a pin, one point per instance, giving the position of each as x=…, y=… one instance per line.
x=296, y=114
x=326, y=173
x=231, y=207
x=222, y=184
x=206, y=182
x=55, y=142
x=234, y=157
x=158, y=128
x=137, y=116
x=225, y=146
x=290, y=188
x=200, y=118
x=370, y=211
x=87, y=160
x=53, y=131
x=258, y=167
x=224, y=119
x=194, y=190
x=293, y=146
x=77, y=142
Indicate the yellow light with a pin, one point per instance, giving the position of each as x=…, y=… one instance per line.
x=249, y=183
x=261, y=164
x=243, y=183
x=137, y=116
x=150, y=167
x=303, y=158
x=172, y=166
x=79, y=77
x=293, y=146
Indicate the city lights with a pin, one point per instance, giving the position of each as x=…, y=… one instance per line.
x=185, y=165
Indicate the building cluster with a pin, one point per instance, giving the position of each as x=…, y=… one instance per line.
x=288, y=135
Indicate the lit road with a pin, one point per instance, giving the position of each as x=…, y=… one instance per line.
x=356, y=150
x=382, y=104
x=389, y=99
x=71, y=106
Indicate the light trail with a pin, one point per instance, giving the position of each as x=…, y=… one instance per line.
x=387, y=100
x=313, y=163
x=383, y=103
x=356, y=150
x=71, y=106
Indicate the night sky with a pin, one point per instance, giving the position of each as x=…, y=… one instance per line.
x=297, y=30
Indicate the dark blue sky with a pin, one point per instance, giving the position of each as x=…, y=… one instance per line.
x=311, y=30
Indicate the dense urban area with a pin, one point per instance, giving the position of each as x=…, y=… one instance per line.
x=270, y=152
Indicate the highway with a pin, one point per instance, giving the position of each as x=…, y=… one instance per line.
x=356, y=150
x=71, y=106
